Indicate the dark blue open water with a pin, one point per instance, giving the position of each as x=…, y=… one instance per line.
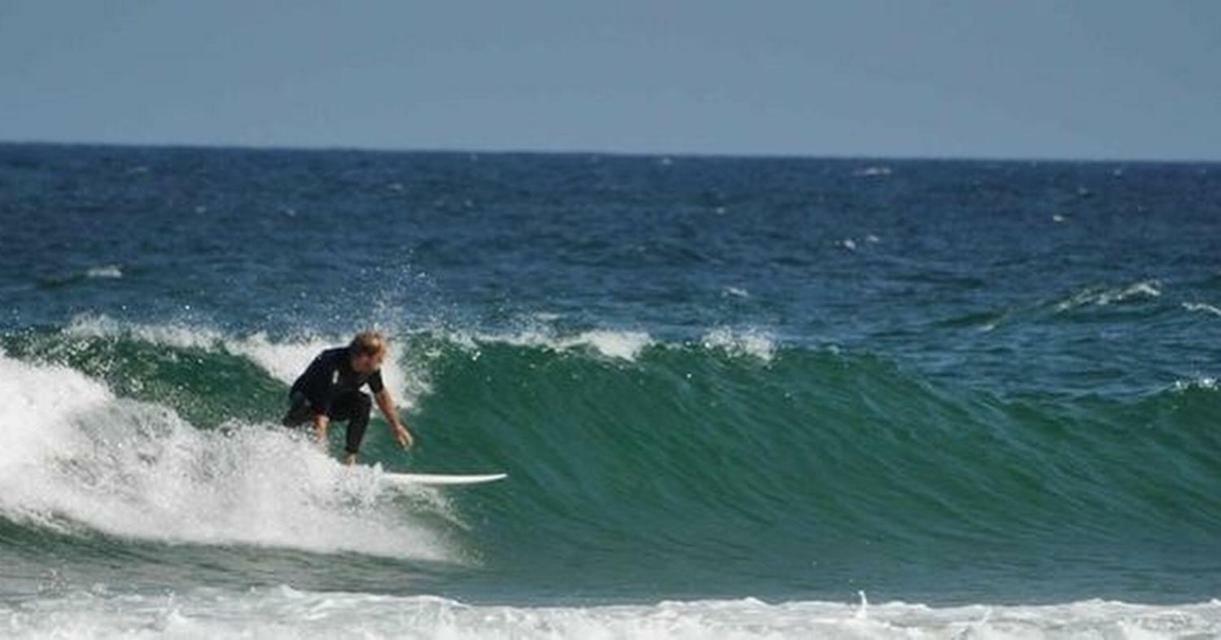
x=731, y=395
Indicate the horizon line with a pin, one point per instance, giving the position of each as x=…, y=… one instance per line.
x=223, y=146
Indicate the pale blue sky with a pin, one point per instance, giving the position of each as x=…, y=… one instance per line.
x=1097, y=79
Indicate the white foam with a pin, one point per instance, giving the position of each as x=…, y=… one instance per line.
x=1202, y=307
x=615, y=344
x=50, y=395
x=624, y=345
x=736, y=292
x=749, y=342
x=105, y=271
x=285, y=360
x=170, y=335
x=1148, y=288
x=286, y=613
x=77, y=456
x=1206, y=383
x=1105, y=296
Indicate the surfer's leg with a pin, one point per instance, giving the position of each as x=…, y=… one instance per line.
x=356, y=425
x=299, y=411
x=353, y=407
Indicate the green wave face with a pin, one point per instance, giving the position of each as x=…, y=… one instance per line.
x=797, y=472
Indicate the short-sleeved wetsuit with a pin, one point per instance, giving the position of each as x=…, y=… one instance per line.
x=331, y=387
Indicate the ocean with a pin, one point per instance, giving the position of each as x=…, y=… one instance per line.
x=735, y=397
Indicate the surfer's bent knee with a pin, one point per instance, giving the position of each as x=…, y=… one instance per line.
x=299, y=410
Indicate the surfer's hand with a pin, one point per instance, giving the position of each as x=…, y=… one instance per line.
x=403, y=436
x=321, y=422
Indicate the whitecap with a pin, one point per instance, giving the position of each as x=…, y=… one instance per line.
x=104, y=271
x=736, y=292
x=1100, y=296
x=748, y=342
x=1203, y=307
x=1206, y=383
x=619, y=344
x=873, y=171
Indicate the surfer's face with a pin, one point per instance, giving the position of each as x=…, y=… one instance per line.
x=368, y=363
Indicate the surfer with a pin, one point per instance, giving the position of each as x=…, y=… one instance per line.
x=329, y=390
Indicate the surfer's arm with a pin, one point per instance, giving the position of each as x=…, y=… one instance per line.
x=321, y=422
x=386, y=403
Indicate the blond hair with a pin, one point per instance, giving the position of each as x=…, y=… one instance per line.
x=368, y=343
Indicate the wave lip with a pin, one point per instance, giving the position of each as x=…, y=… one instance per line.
x=283, y=360
x=620, y=345
x=750, y=342
x=1104, y=296
x=286, y=612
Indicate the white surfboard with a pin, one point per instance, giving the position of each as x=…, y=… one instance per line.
x=404, y=479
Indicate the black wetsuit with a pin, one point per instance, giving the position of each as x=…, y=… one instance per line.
x=329, y=386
